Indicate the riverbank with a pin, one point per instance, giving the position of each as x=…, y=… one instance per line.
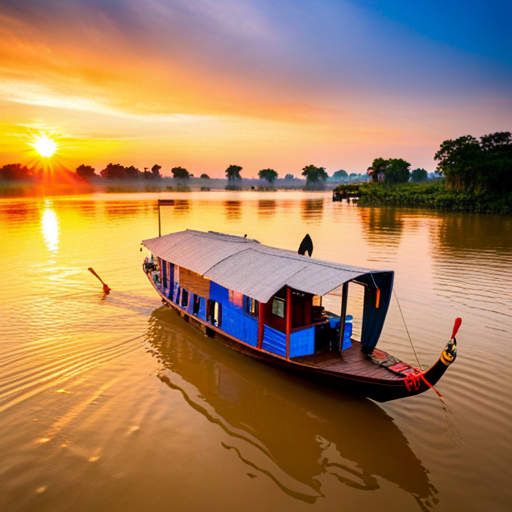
x=433, y=194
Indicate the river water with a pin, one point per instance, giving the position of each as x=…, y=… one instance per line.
x=116, y=404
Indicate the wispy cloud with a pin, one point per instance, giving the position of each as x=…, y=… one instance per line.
x=352, y=70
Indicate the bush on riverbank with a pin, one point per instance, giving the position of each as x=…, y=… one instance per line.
x=434, y=194
x=10, y=190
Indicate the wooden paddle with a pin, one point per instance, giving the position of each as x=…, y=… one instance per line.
x=106, y=288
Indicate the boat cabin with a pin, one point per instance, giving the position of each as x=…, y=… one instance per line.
x=267, y=298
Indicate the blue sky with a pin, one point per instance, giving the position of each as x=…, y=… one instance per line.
x=275, y=83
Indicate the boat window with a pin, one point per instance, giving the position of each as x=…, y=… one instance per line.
x=251, y=306
x=164, y=273
x=217, y=316
x=214, y=313
x=184, y=298
x=301, y=308
x=278, y=307
x=197, y=304
x=236, y=298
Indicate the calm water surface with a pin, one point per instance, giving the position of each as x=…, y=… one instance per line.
x=116, y=404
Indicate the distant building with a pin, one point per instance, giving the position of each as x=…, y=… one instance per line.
x=380, y=177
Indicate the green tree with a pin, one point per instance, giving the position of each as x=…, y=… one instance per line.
x=340, y=175
x=397, y=171
x=268, y=174
x=113, y=172
x=205, y=176
x=179, y=173
x=496, y=170
x=15, y=172
x=392, y=171
x=155, y=170
x=86, y=172
x=233, y=173
x=496, y=142
x=314, y=174
x=419, y=175
x=132, y=173
x=459, y=161
x=289, y=177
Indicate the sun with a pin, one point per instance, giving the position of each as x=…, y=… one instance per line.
x=45, y=146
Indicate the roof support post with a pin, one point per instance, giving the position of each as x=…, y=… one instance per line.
x=261, y=306
x=343, y=315
x=288, y=320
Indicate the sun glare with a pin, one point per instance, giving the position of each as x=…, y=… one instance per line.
x=45, y=146
x=50, y=228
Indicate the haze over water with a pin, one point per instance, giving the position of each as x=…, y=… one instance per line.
x=116, y=404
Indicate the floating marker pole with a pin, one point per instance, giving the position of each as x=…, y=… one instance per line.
x=106, y=288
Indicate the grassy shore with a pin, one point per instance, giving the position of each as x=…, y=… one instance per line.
x=434, y=194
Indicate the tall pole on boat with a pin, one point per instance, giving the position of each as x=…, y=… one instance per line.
x=163, y=202
x=288, y=320
x=343, y=315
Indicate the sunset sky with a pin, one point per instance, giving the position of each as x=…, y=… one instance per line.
x=208, y=83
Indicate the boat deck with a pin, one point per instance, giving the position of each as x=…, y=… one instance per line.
x=350, y=361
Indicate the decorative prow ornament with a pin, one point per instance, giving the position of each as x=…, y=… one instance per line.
x=306, y=246
x=450, y=352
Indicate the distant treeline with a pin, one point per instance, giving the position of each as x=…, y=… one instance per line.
x=312, y=173
x=19, y=172
x=469, y=165
x=315, y=176
x=473, y=176
x=119, y=172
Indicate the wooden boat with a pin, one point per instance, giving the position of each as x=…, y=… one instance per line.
x=267, y=303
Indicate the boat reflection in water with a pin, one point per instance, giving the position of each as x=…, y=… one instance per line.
x=302, y=431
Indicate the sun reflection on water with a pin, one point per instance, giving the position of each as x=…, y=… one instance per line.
x=50, y=228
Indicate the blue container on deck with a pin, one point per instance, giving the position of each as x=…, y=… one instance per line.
x=347, y=333
x=335, y=324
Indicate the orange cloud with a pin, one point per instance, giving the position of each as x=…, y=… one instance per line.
x=203, y=84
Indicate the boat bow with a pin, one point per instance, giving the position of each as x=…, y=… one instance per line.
x=447, y=357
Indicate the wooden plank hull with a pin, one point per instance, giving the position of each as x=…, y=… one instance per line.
x=383, y=388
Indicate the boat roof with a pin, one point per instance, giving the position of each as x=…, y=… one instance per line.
x=249, y=267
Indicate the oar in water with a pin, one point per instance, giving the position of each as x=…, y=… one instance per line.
x=106, y=288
